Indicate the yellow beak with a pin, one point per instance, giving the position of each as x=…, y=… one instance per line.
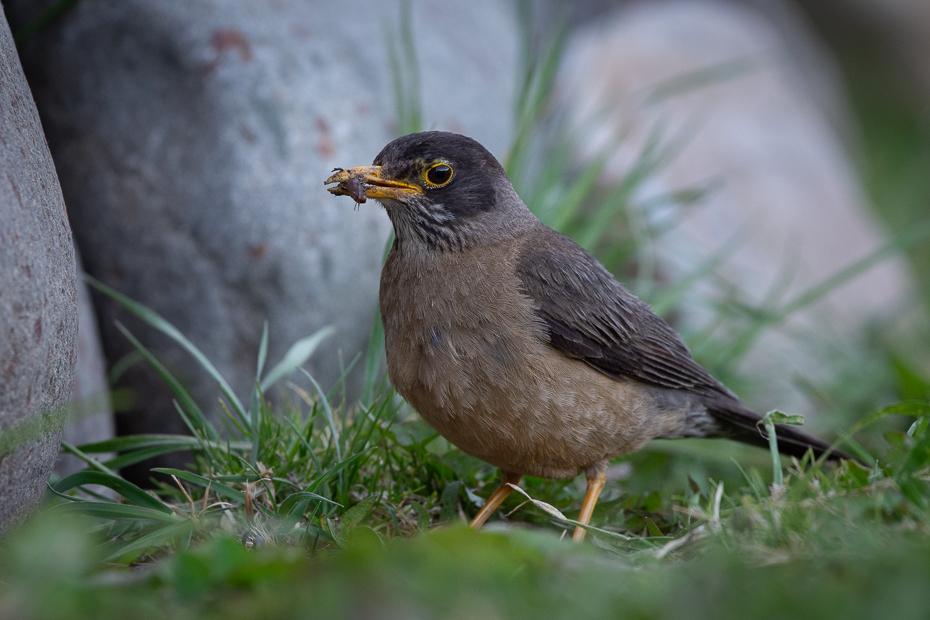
x=354, y=181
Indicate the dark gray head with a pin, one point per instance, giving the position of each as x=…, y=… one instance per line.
x=443, y=192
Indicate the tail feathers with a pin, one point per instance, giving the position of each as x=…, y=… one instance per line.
x=742, y=425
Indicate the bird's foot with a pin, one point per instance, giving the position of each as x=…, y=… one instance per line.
x=595, y=486
x=498, y=496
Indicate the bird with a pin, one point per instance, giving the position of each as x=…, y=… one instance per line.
x=514, y=342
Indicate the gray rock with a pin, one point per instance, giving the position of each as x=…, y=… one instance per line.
x=38, y=306
x=192, y=140
x=788, y=210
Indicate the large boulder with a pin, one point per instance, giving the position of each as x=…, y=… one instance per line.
x=38, y=306
x=743, y=102
x=192, y=139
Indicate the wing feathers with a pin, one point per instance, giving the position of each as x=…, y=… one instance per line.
x=590, y=316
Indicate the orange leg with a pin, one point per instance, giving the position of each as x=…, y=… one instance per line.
x=498, y=496
x=595, y=486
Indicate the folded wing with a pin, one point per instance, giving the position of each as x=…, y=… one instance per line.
x=590, y=316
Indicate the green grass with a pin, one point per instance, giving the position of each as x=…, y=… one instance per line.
x=378, y=527
x=323, y=504
x=318, y=506
x=326, y=508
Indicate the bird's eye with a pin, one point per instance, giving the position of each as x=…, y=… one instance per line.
x=439, y=174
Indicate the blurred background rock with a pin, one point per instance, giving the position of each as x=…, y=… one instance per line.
x=91, y=413
x=191, y=140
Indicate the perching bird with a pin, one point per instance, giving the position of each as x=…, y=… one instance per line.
x=515, y=343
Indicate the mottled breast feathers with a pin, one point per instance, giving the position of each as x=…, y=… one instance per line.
x=591, y=317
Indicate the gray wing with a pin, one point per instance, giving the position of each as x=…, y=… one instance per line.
x=590, y=316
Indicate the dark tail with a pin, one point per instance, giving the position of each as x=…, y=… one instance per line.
x=742, y=425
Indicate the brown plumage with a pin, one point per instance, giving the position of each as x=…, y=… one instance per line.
x=514, y=342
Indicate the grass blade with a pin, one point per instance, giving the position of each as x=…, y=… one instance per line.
x=108, y=511
x=327, y=410
x=217, y=487
x=128, y=490
x=292, y=514
x=333, y=471
x=149, y=540
x=177, y=442
x=137, y=456
x=67, y=447
x=375, y=345
x=769, y=420
x=765, y=319
x=897, y=245
x=911, y=408
x=292, y=500
x=161, y=324
x=262, y=353
x=295, y=357
x=373, y=360
x=295, y=506
x=405, y=73
x=181, y=394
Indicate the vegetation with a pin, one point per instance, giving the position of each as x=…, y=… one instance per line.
x=325, y=510
x=307, y=503
x=318, y=510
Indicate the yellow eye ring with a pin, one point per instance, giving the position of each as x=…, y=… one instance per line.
x=438, y=175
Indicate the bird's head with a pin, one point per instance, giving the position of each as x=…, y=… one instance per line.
x=443, y=191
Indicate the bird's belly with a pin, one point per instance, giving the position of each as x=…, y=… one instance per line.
x=485, y=378
x=548, y=416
